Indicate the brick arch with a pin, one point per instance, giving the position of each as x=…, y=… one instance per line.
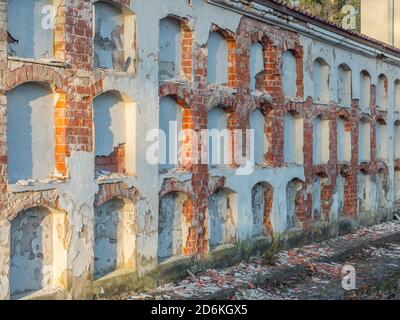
x=318, y=113
x=344, y=113
x=380, y=165
x=263, y=104
x=119, y=190
x=227, y=34
x=344, y=170
x=177, y=92
x=215, y=183
x=365, y=117
x=21, y=202
x=381, y=119
x=183, y=22
x=365, y=168
x=322, y=171
x=227, y=102
x=97, y=87
x=35, y=73
x=173, y=185
x=123, y=95
x=123, y=3
x=294, y=107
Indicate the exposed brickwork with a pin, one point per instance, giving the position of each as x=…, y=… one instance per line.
x=268, y=203
x=76, y=84
x=115, y=190
x=3, y=105
x=19, y=202
x=115, y=162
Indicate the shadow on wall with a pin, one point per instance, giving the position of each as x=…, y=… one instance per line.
x=221, y=218
x=170, y=113
x=114, y=37
x=262, y=199
x=170, y=50
x=114, y=237
x=106, y=223
x=289, y=76
x=172, y=229
x=109, y=50
x=28, y=25
x=109, y=122
x=30, y=132
x=28, y=250
x=218, y=137
x=256, y=64
x=261, y=145
x=293, y=198
x=217, y=59
x=38, y=245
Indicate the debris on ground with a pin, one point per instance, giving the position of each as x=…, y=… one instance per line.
x=321, y=278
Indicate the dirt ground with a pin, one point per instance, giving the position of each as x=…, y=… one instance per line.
x=312, y=272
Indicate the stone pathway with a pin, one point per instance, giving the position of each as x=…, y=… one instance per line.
x=310, y=272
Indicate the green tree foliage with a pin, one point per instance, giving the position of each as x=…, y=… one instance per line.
x=330, y=10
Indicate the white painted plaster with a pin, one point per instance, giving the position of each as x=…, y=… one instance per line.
x=25, y=18
x=289, y=75
x=257, y=123
x=217, y=59
x=30, y=132
x=293, y=139
x=256, y=63
x=170, y=50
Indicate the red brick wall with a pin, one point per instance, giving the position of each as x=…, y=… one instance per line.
x=115, y=162
x=268, y=202
x=200, y=99
x=77, y=86
x=3, y=107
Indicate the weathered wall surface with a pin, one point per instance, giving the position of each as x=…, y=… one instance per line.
x=111, y=212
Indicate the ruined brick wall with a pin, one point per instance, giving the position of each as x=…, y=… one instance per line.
x=3, y=104
x=76, y=188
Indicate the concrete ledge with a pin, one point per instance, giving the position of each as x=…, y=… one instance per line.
x=173, y=269
x=47, y=294
x=120, y=281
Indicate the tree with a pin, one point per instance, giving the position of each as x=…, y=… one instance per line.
x=327, y=9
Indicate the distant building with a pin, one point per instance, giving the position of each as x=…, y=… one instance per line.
x=387, y=13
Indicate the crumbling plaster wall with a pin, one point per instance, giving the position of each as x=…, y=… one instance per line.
x=26, y=15
x=31, y=142
x=114, y=37
x=77, y=194
x=38, y=251
x=357, y=63
x=172, y=232
x=114, y=236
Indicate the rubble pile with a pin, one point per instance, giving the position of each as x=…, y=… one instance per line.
x=321, y=276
